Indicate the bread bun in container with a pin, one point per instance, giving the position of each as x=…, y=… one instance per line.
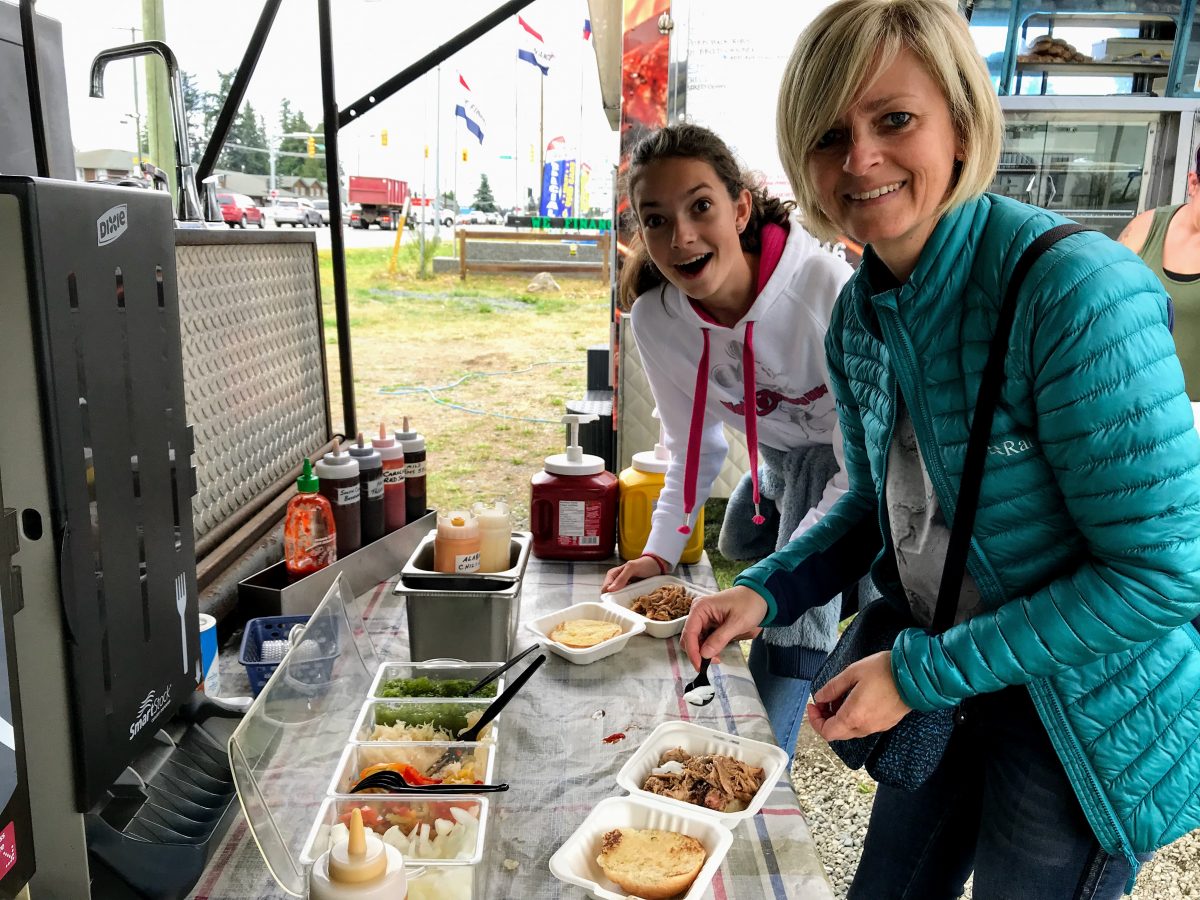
x=649, y=863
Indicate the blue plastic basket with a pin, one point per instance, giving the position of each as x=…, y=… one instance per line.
x=315, y=670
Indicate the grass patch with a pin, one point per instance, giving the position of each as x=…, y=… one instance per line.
x=413, y=338
x=724, y=570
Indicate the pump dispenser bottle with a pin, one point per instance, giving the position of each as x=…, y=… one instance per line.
x=573, y=503
x=362, y=867
x=640, y=486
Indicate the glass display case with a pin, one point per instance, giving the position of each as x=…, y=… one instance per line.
x=1097, y=160
x=1089, y=47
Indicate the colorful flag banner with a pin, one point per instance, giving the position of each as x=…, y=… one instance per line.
x=534, y=50
x=587, y=29
x=468, y=110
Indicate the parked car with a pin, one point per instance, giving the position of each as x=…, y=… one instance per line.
x=296, y=211
x=322, y=206
x=495, y=218
x=238, y=209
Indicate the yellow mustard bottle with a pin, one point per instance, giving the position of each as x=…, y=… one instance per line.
x=638, y=489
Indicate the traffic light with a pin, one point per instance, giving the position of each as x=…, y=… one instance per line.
x=383, y=137
x=464, y=154
x=312, y=146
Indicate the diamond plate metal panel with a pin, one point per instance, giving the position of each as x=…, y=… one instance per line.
x=254, y=365
x=639, y=428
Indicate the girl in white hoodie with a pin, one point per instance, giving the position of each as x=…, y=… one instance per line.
x=731, y=299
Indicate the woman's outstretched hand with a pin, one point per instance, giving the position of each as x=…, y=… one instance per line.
x=719, y=618
x=862, y=699
x=634, y=570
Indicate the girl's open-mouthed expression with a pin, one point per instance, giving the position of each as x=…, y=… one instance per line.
x=692, y=228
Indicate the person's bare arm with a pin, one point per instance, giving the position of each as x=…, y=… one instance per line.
x=1134, y=234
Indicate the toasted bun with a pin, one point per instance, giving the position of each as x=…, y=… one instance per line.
x=651, y=864
x=581, y=633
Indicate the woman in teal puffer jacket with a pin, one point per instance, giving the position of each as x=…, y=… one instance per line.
x=1073, y=661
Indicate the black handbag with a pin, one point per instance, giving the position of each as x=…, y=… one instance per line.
x=908, y=753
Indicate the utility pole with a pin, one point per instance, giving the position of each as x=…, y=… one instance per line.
x=159, y=126
x=541, y=172
x=137, y=102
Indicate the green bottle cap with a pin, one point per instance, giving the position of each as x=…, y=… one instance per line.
x=307, y=482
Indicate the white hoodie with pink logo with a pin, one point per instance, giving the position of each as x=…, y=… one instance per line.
x=782, y=337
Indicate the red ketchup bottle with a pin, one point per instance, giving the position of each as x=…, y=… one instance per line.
x=309, y=536
x=394, y=497
x=573, y=503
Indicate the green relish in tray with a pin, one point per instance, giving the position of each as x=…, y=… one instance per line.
x=433, y=687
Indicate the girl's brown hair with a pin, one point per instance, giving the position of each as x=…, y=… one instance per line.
x=638, y=272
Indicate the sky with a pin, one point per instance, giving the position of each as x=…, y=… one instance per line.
x=373, y=40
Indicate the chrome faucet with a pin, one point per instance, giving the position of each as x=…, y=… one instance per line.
x=190, y=209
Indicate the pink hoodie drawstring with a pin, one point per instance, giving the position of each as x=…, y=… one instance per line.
x=691, y=468
x=751, y=414
x=774, y=237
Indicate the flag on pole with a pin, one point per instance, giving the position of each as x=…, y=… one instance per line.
x=534, y=50
x=468, y=110
x=587, y=29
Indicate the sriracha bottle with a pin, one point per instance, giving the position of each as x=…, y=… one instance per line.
x=309, y=538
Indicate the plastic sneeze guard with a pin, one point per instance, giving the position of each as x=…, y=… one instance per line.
x=285, y=751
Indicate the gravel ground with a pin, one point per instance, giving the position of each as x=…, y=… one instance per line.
x=837, y=803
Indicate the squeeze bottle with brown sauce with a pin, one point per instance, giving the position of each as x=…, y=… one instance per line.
x=338, y=474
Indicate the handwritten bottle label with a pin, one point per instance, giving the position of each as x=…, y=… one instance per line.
x=374, y=488
x=394, y=476
x=414, y=469
x=347, y=495
x=466, y=564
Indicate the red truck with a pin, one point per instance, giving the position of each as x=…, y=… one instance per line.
x=381, y=201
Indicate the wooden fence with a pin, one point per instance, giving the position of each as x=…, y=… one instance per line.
x=581, y=267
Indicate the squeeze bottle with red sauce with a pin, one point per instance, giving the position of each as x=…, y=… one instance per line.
x=573, y=503
x=338, y=474
x=309, y=539
x=393, y=479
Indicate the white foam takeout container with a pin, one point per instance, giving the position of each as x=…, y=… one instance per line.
x=575, y=861
x=630, y=623
x=697, y=740
x=625, y=596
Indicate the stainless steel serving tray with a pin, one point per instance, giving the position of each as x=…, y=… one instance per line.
x=421, y=562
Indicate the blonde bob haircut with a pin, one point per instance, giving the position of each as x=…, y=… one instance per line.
x=842, y=52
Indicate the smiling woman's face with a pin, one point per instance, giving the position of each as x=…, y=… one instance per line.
x=691, y=228
x=883, y=169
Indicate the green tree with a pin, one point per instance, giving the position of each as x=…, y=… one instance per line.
x=302, y=166
x=195, y=106
x=484, y=201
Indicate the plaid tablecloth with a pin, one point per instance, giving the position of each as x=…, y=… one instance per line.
x=552, y=751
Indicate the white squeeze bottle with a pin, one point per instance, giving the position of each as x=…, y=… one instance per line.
x=495, y=536
x=362, y=867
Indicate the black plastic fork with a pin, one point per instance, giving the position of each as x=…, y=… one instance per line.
x=395, y=783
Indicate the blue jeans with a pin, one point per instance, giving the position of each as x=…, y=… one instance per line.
x=1000, y=805
x=784, y=698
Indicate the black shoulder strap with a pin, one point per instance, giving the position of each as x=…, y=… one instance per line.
x=981, y=430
